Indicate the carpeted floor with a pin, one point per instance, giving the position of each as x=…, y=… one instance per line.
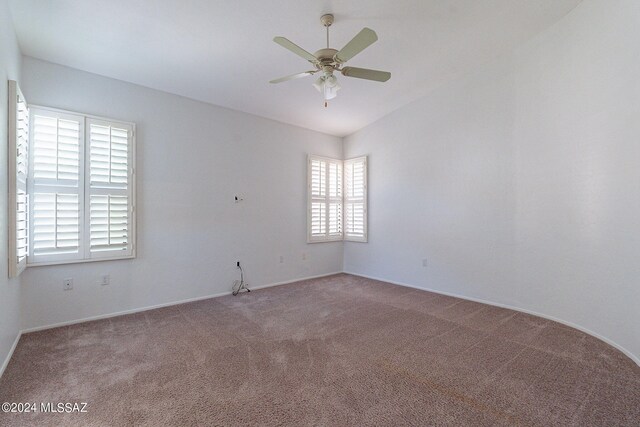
x=340, y=350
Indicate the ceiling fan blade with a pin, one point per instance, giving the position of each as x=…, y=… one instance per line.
x=294, y=76
x=365, y=73
x=360, y=42
x=287, y=44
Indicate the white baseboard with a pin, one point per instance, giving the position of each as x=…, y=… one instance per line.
x=523, y=310
x=11, y=350
x=167, y=304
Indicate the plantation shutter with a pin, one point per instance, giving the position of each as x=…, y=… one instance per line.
x=325, y=199
x=317, y=196
x=110, y=189
x=18, y=198
x=55, y=186
x=355, y=199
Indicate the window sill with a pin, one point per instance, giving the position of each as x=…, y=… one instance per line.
x=78, y=261
x=311, y=242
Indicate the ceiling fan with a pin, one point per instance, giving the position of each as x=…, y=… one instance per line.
x=329, y=60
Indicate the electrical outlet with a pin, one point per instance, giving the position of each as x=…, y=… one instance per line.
x=105, y=280
x=67, y=284
x=424, y=262
x=281, y=259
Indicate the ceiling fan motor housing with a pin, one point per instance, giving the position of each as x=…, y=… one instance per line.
x=326, y=56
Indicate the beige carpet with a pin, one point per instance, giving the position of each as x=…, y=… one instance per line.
x=340, y=350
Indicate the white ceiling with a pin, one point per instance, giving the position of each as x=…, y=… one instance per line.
x=222, y=52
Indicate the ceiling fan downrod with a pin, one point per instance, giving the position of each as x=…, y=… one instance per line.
x=327, y=20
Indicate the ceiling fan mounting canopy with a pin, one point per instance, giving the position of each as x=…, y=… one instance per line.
x=326, y=19
x=327, y=60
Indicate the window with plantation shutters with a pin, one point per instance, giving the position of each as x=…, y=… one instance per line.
x=55, y=186
x=355, y=199
x=80, y=188
x=337, y=199
x=325, y=199
x=18, y=198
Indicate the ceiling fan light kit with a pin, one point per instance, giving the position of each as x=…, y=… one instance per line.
x=328, y=60
x=328, y=86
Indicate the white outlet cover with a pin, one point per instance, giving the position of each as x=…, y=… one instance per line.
x=67, y=284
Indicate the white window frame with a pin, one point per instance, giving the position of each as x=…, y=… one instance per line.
x=84, y=191
x=343, y=200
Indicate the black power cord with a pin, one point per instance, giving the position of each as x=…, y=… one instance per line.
x=239, y=286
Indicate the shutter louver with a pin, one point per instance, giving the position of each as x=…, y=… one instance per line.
x=22, y=147
x=318, y=178
x=109, y=222
x=56, y=155
x=109, y=188
x=318, y=219
x=18, y=197
x=22, y=226
x=56, y=223
x=355, y=199
x=109, y=155
x=335, y=219
x=22, y=170
x=318, y=191
x=335, y=180
x=335, y=200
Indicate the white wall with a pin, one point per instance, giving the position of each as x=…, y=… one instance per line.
x=192, y=159
x=9, y=289
x=520, y=184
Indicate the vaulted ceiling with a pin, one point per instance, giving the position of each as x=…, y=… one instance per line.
x=222, y=52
